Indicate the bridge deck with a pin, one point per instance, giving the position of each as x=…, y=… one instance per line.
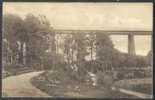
x=103, y=31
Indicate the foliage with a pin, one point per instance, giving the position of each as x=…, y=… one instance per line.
x=104, y=50
x=105, y=79
x=30, y=32
x=31, y=42
x=12, y=31
x=37, y=43
x=69, y=48
x=90, y=41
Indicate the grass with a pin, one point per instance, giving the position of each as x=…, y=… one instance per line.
x=12, y=71
x=71, y=88
x=139, y=85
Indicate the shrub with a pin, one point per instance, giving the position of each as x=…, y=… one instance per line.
x=105, y=79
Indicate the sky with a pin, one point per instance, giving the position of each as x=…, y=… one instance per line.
x=98, y=16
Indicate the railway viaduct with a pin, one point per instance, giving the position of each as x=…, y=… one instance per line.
x=130, y=34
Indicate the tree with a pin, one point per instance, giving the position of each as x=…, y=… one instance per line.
x=37, y=43
x=69, y=48
x=91, y=39
x=80, y=42
x=26, y=39
x=104, y=52
x=13, y=33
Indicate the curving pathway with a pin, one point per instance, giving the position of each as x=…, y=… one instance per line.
x=20, y=86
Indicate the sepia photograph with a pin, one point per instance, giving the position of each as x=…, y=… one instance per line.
x=77, y=50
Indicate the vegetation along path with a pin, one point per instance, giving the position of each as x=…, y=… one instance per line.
x=21, y=86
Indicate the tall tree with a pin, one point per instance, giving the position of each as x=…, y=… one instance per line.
x=80, y=42
x=91, y=40
x=26, y=39
x=37, y=44
x=104, y=52
x=13, y=32
x=67, y=42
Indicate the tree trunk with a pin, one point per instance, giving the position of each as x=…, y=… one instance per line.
x=24, y=53
x=72, y=55
x=91, y=53
x=67, y=56
x=11, y=57
x=21, y=53
x=28, y=56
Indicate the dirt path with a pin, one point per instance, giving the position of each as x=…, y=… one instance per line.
x=20, y=86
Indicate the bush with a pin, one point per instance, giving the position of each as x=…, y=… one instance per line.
x=105, y=79
x=16, y=69
x=58, y=74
